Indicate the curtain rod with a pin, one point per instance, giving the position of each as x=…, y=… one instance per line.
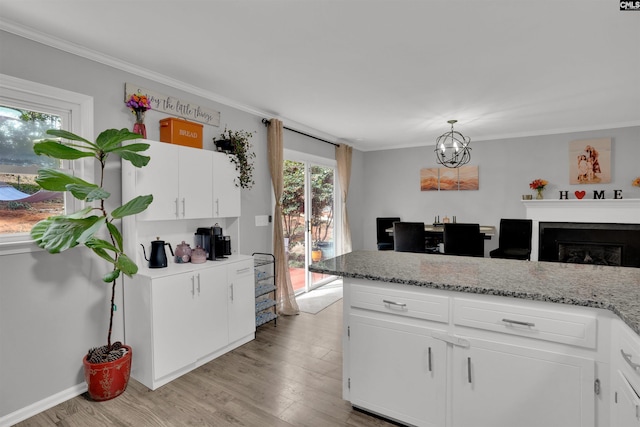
x=268, y=122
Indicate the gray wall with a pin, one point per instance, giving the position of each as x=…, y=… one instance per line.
x=53, y=305
x=506, y=167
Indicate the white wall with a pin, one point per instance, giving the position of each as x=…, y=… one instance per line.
x=391, y=179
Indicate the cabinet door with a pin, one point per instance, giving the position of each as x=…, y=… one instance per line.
x=498, y=385
x=397, y=370
x=160, y=178
x=173, y=304
x=241, y=299
x=226, y=196
x=626, y=407
x=211, y=323
x=196, y=186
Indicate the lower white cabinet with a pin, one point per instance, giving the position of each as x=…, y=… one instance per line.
x=241, y=300
x=428, y=358
x=397, y=370
x=177, y=322
x=499, y=385
x=626, y=377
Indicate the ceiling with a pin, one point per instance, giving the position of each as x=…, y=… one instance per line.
x=378, y=74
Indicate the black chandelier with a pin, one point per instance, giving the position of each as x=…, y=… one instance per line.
x=452, y=148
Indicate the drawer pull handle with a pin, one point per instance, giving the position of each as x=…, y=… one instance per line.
x=243, y=270
x=517, y=322
x=627, y=358
x=399, y=304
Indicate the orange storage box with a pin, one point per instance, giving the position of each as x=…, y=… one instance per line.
x=181, y=132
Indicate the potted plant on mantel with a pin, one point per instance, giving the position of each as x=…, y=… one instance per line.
x=236, y=144
x=106, y=368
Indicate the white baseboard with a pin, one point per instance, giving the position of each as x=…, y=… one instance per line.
x=42, y=405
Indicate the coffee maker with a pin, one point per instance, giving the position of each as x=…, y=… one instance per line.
x=204, y=238
x=212, y=241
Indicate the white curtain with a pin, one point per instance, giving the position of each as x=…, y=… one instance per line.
x=286, y=297
x=343, y=158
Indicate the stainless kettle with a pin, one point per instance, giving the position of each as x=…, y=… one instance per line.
x=158, y=257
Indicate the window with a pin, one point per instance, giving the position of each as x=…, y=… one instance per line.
x=27, y=110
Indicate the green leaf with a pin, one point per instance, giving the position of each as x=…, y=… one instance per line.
x=111, y=276
x=61, y=133
x=127, y=266
x=60, y=233
x=137, y=147
x=88, y=192
x=116, y=235
x=111, y=138
x=58, y=150
x=95, y=243
x=133, y=206
x=38, y=230
x=55, y=180
x=103, y=254
x=136, y=160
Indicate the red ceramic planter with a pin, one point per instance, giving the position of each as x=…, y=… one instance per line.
x=107, y=380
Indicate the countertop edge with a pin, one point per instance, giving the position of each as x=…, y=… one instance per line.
x=486, y=291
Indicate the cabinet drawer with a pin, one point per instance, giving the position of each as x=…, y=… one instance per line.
x=240, y=269
x=401, y=302
x=520, y=319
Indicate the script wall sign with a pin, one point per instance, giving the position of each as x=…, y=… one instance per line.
x=174, y=106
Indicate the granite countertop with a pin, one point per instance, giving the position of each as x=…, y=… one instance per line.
x=612, y=288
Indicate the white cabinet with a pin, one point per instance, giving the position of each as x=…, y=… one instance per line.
x=430, y=358
x=226, y=195
x=241, y=300
x=397, y=370
x=180, y=179
x=499, y=385
x=177, y=322
x=626, y=377
x=189, y=317
x=626, y=411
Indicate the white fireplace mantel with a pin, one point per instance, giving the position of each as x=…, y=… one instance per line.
x=620, y=211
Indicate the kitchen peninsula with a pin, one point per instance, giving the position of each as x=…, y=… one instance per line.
x=439, y=340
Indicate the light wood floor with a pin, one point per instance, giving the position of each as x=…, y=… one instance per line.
x=289, y=375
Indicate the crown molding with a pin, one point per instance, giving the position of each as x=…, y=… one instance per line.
x=83, y=52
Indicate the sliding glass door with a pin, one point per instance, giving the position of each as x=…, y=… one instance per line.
x=309, y=217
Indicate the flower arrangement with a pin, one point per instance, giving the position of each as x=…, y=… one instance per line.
x=538, y=184
x=138, y=103
x=636, y=182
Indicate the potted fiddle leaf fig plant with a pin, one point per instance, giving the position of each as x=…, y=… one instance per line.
x=106, y=368
x=237, y=145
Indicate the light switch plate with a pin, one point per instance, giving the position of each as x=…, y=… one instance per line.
x=262, y=220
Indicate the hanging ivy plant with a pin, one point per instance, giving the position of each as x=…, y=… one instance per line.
x=238, y=147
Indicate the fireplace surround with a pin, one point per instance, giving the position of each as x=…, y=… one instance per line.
x=598, y=216
x=590, y=243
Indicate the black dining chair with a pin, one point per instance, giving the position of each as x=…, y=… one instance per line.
x=514, y=241
x=409, y=237
x=384, y=239
x=463, y=239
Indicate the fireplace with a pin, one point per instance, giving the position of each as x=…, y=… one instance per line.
x=590, y=243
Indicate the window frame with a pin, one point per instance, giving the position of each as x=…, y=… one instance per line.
x=16, y=91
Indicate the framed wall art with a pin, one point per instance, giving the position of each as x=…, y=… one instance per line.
x=590, y=161
x=445, y=179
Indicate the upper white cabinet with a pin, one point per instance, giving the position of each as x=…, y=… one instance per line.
x=226, y=196
x=180, y=179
